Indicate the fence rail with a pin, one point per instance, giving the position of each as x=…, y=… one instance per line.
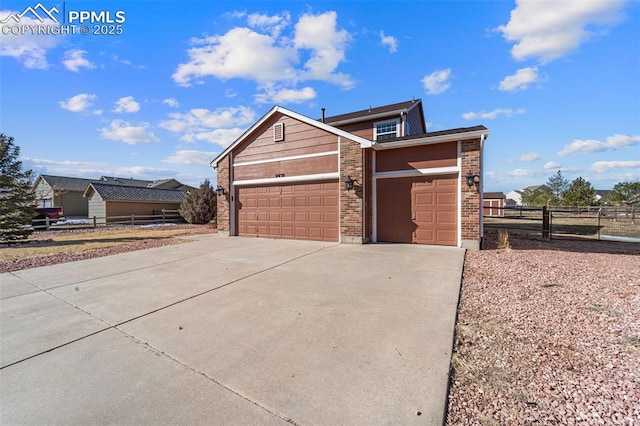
x=165, y=216
x=616, y=223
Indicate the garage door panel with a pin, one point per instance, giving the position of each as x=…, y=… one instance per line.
x=420, y=210
x=299, y=211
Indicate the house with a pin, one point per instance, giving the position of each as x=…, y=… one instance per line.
x=62, y=191
x=107, y=201
x=602, y=196
x=374, y=175
x=514, y=198
x=493, y=203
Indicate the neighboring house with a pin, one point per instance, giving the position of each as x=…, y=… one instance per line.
x=370, y=176
x=514, y=198
x=493, y=203
x=62, y=191
x=162, y=183
x=602, y=195
x=108, y=200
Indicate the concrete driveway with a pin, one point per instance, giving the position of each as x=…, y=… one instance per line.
x=232, y=331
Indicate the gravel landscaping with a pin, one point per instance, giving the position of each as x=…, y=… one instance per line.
x=548, y=333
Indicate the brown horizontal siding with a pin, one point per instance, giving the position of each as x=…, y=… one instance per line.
x=303, y=166
x=299, y=139
x=363, y=129
x=417, y=157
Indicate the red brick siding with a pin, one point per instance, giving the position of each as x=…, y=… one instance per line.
x=351, y=202
x=470, y=207
x=223, y=201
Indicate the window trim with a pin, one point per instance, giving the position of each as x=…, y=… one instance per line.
x=396, y=121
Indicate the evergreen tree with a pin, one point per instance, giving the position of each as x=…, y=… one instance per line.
x=199, y=206
x=17, y=200
x=625, y=192
x=557, y=183
x=579, y=193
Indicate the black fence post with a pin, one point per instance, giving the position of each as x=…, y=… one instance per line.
x=546, y=228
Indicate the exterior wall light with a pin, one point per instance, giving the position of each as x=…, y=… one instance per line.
x=472, y=179
x=348, y=183
x=219, y=190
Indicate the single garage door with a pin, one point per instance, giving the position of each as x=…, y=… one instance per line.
x=305, y=211
x=419, y=210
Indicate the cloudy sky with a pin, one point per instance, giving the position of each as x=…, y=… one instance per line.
x=157, y=88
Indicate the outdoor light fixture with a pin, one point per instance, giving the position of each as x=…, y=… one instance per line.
x=348, y=183
x=220, y=190
x=472, y=179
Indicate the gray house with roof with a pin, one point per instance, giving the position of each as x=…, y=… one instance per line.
x=62, y=191
x=107, y=201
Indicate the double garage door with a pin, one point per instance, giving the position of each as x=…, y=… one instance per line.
x=306, y=211
x=419, y=210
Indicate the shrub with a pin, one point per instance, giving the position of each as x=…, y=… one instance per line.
x=199, y=206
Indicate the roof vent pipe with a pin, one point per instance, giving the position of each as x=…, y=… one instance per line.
x=323, y=114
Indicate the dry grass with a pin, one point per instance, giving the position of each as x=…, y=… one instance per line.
x=503, y=240
x=70, y=243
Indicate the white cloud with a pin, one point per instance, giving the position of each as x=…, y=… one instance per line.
x=606, y=166
x=520, y=80
x=286, y=96
x=222, y=137
x=389, y=41
x=120, y=130
x=551, y=165
x=172, y=102
x=126, y=104
x=190, y=157
x=78, y=103
x=490, y=115
x=29, y=49
x=519, y=173
x=74, y=60
x=437, y=82
x=588, y=146
x=199, y=119
x=548, y=31
x=530, y=156
x=315, y=38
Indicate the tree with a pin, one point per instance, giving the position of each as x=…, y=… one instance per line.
x=199, y=206
x=540, y=196
x=579, y=193
x=625, y=192
x=557, y=183
x=17, y=200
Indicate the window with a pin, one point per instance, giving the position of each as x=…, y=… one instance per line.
x=386, y=130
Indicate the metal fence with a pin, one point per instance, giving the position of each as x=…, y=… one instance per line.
x=615, y=223
x=163, y=217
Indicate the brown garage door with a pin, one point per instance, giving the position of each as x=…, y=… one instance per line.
x=420, y=210
x=306, y=211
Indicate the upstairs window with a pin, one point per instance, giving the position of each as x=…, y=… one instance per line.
x=386, y=130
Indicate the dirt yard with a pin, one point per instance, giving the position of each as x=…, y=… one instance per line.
x=548, y=333
x=52, y=247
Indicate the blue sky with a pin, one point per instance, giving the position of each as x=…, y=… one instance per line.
x=556, y=83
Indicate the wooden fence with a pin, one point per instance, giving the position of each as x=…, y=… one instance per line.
x=165, y=216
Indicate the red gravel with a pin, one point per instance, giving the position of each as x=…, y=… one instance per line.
x=548, y=333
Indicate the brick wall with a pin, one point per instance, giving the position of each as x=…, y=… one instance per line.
x=223, y=201
x=351, y=202
x=470, y=202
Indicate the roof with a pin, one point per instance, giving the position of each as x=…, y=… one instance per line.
x=393, y=109
x=365, y=143
x=126, y=181
x=493, y=195
x=66, y=183
x=113, y=192
x=449, y=135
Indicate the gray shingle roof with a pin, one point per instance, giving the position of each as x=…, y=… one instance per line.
x=113, y=192
x=126, y=181
x=372, y=111
x=438, y=133
x=67, y=183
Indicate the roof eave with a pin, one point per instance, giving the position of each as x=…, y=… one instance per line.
x=428, y=140
x=386, y=114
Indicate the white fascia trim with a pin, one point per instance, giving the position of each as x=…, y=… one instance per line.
x=292, y=157
x=417, y=172
x=387, y=114
x=428, y=140
x=287, y=179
